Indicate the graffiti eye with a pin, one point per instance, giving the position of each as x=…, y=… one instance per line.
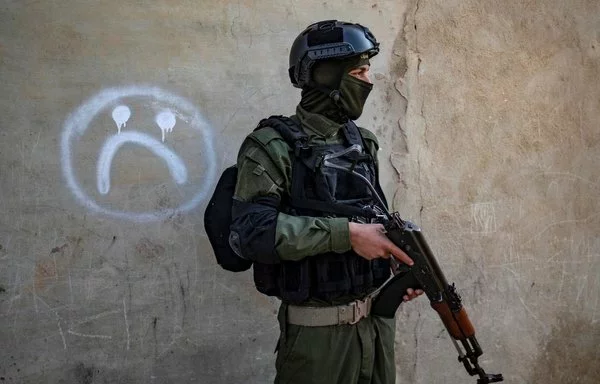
x=166, y=122
x=121, y=115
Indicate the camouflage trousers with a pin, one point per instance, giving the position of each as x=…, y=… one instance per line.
x=361, y=353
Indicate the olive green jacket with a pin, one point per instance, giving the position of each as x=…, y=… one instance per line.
x=265, y=168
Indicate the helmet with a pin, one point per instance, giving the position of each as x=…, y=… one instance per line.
x=326, y=40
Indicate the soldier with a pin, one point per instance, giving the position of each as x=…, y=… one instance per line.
x=305, y=226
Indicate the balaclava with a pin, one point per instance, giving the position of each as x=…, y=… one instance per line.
x=332, y=75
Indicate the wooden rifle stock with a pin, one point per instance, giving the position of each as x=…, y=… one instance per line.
x=458, y=324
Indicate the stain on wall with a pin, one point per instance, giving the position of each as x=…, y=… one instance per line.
x=567, y=353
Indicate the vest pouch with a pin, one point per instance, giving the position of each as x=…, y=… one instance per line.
x=354, y=187
x=332, y=274
x=295, y=281
x=361, y=272
x=381, y=271
x=326, y=184
x=266, y=278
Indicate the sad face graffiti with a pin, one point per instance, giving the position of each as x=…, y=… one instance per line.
x=138, y=153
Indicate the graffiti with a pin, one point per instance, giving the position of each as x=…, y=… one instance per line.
x=137, y=111
x=483, y=218
x=112, y=145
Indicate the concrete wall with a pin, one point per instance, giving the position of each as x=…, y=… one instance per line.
x=488, y=117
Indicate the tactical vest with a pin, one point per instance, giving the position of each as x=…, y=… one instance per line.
x=320, y=191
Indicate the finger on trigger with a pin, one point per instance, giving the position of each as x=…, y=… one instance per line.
x=400, y=255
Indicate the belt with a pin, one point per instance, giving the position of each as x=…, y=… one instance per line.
x=350, y=313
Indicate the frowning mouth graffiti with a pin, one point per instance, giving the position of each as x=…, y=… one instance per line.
x=157, y=162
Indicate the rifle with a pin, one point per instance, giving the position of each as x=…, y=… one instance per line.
x=424, y=274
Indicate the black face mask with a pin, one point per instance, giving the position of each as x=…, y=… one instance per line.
x=333, y=75
x=353, y=95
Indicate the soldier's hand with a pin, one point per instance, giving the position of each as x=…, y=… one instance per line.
x=370, y=242
x=412, y=294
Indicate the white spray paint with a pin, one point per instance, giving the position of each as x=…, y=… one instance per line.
x=121, y=115
x=79, y=121
x=166, y=121
x=112, y=145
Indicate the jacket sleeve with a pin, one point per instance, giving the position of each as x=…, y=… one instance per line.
x=264, y=233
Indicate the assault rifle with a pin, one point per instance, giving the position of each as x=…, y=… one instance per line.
x=425, y=274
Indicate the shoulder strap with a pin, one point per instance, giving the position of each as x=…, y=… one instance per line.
x=352, y=134
x=289, y=129
x=368, y=136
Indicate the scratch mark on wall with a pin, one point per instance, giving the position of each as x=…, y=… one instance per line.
x=562, y=282
x=176, y=336
x=62, y=335
x=531, y=313
x=33, y=291
x=512, y=254
x=14, y=293
x=126, y=323
x=70, y=288
x=96, y=317
x=581, y=283
x=89, y=319
x=89, y=336
x=597, y=296
x=569, y=175
x=560, y=222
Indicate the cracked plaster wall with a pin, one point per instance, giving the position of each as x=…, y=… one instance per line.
x=488, y=120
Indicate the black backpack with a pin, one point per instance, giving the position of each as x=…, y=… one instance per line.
x=217, y=217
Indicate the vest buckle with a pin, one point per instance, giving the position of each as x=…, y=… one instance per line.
x=301, y=149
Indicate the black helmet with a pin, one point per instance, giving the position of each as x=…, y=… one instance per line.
x=326, y=40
